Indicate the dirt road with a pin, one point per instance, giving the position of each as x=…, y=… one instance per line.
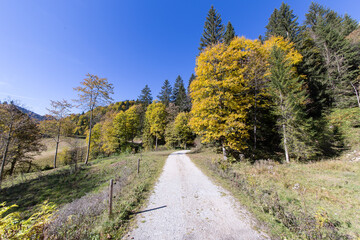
x=187, y=205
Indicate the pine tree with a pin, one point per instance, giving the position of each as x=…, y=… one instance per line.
x=179, y=96
x=229, y=34
x=165, y=93
x=213, y=29
x=145, y=97
x=283, y=23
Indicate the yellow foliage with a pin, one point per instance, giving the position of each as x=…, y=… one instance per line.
x=13, y=227
x=231, y=80
x=292, y=55
x=221, y=93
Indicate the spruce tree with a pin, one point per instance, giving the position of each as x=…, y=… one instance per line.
x=229, y=34
x=179, y=96
x=289, y=96
x=192, y=78
x=145, y=97
x=165, y=93
x=213, y=29
x=340, y=59
x=283, y=23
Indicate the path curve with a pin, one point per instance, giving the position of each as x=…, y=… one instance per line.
x=187, y=205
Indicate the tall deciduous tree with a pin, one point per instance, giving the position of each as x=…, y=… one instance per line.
x=283, y=22
x=126, y=124
x=221, y=95
x=229, y=34
x=165, y=93
x=155, y=121
x=213, y=29
x=94, y=91
x=182, y=130
x=58, y=111
x=19, y=137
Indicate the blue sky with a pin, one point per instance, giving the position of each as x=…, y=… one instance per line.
x=47, y=47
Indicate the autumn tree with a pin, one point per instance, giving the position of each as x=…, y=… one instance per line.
x=58, y=111
x=155, y=122
x=94, y=91
x=165, y=93
x=184, y=134
x=126, y=124
x=213, y=29
x=19, y=137
x=221, y=95
x=229, y=33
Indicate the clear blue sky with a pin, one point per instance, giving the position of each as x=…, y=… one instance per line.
x=47, y=47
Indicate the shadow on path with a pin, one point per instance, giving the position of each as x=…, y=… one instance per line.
x=149, y=210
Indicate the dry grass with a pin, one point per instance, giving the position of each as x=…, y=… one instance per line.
x=81, y=196
x=327, y=191
x=46, y=158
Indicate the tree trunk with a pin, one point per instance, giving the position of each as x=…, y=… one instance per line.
x=12, y=167
x=185, y=145
x=285, y=144
x=5, y=153
x=156, y=143
x=89, y=141
x=224, y=152
x=356, y=93
x=57, y=144
x=255, y=117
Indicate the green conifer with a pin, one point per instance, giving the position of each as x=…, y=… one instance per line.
x=213, y=29
x=165, y=93
x=283, y=23
x=229, y=34
x=145, y=97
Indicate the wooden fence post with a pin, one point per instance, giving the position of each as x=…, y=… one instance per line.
x=110, y=196
x=138, y=166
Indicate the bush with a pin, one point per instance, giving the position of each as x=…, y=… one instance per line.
x=13, y=227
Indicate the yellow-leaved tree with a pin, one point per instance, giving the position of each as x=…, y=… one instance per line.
x=126, y=124
x=221, y=94
x=155, y=123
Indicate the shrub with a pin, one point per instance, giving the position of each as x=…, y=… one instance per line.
x=13, y=227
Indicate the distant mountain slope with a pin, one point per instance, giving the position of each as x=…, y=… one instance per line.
x=32, y=114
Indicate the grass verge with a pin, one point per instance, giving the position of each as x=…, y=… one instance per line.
x=296, y=201
x=81, y=196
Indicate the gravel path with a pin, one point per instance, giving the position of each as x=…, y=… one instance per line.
x=187, y=205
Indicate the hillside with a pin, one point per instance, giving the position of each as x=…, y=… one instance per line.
x=33, y=115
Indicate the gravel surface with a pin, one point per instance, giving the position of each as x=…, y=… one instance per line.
x=187, y=205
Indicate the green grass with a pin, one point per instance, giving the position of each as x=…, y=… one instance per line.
x=330, y=187
x=62, y=186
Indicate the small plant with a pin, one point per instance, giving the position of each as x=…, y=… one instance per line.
x=13, y=227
